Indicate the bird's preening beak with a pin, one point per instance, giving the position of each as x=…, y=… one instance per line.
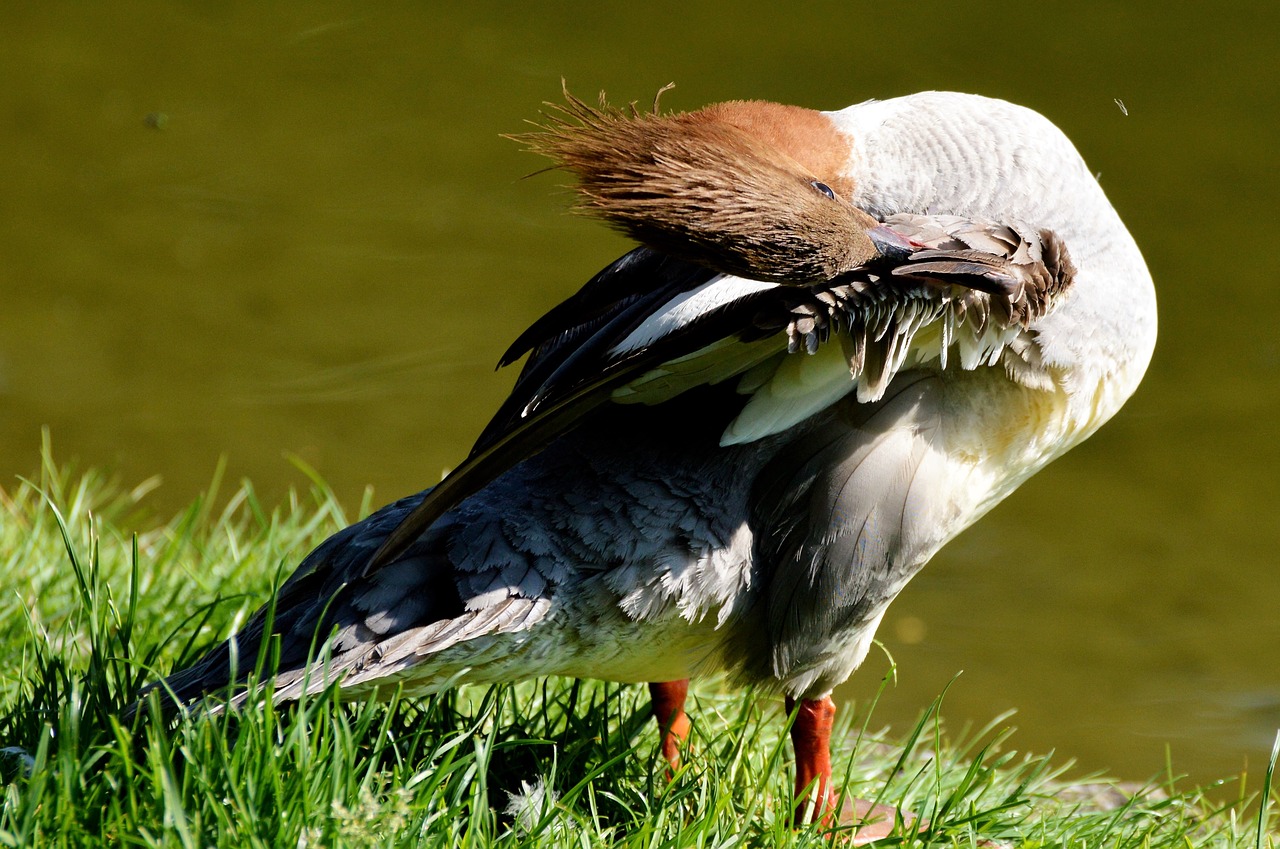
x=891, y=244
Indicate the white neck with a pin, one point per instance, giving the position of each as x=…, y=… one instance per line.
x=946, y=153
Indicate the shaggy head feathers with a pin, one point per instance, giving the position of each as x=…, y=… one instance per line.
x=749, y=188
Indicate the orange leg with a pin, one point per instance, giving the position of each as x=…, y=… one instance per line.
x=673, y=723
x=811, y=738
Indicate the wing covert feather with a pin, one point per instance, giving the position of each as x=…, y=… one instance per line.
x=973, y=286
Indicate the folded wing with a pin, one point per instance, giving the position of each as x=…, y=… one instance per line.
x=650, y=327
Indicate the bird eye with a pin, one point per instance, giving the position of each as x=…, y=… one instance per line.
x=824, y=188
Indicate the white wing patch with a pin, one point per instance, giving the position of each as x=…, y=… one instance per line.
x=800, y=386
x=688, y=307
x=968, y=301
x=722, y=360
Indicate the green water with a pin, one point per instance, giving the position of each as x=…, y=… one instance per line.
x=256, y=231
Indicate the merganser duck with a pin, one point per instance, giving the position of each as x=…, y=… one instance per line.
x=844, y=337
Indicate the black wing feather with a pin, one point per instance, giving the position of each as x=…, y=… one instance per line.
x=573, y=366
x=569, y=375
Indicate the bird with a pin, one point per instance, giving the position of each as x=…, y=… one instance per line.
x=841, y=338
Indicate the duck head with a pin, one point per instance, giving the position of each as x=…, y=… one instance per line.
x=750, y=188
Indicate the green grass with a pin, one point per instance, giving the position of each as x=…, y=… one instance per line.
x=99, y=599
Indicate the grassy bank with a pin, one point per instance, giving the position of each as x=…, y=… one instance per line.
x=99, y=599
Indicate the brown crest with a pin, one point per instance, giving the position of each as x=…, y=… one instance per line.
x=731, y=186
